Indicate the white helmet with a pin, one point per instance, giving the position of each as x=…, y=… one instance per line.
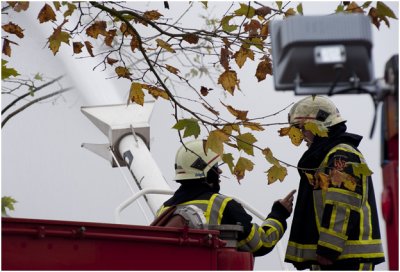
x=193, y=162
x=315, y=109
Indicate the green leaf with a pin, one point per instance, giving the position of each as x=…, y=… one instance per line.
x=340, y=8
x=275, y=173
x=7, y=202
x=228, y=159
x=38, y=76
x=245, y=10
x=300, y=8
x=205, y=4
x=385, y=10
x=71, y=8
x=7, y=72
x=279, y=4
x=361, y=169
x=191, y=127
x=245, y=141
x=367, y=4
x=226, y=26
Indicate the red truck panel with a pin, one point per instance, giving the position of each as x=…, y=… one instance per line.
x=30, y=244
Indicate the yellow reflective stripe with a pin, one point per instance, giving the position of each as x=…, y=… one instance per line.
x=248, y=238
x=221, y=210
x=361, y=255
x=195, y=202
x=161, y=210
x=274, y=224
x=346, y=221
x=343, y=147
x=207, y=214
x=333, y=218
x=329, y=245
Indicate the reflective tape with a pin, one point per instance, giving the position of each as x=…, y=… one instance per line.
x=332, y=240
x=275, y=224
x=341, y=196
x=216, y=208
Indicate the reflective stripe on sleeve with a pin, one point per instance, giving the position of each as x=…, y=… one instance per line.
x=216, y=208
x=344, y=197
x=274, y=224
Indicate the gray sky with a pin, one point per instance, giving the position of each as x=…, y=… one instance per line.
x=52, y=177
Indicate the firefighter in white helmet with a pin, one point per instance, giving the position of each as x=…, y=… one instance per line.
x=198, y=173
x=335, y=223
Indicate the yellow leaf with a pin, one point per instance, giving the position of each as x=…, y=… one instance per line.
x=264, y=31
x=245, y=142
x=350, y=183
x=239, y=114
x=311, y=179
x=275, y=173
x=241, y=167
x=123, y=72
x=361, y=169
x=228, y=80
x=228, y=159
x=354, y=8
x=136, y=93
x=322, y=180
x=253, y=126
x=46, y=14
x=157, y=92
x=242, y=55
x=316, y=129
x=71, y=8
x=152, y=15
x=264, y=68
x=270, y=157
x=290, y=12
x=295, y=135
x=215, y=141
x=172, y=69
x=165, y=45
x=338, y=178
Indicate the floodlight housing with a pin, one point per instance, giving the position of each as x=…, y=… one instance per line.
x=322, y=54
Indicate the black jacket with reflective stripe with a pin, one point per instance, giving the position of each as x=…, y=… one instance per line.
x=257, y=239
x=338, y=223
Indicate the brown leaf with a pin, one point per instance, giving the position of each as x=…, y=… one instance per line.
x=322, y=180
x=126, y=30
x=263, y=11
x=77, y=47
x=56, y=38
x=172, y=69
x=156, y=92
x=241, y=115
x=253, y=25
x=264, y=68
x=123, y=72
x=373, y=14
x=13, y=29
x=89, y=47
x=136, y=94
x=224, y=59
x=253, y=126
x=290, y=12
x=191, y=38
x=46, y=14
x=96, y=29
x=110, y=37
x=111, y=61
x=134, y=43
x=354, y=8
x=152, y=15
x=6, y=48
x=204, y=91
x=19, y=5
x=228, y=80
x=165, y=45
x=284, y=131
x=264, y=31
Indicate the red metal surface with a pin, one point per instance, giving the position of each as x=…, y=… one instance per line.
x=29, y=244
x=390, y=210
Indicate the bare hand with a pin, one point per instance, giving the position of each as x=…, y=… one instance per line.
x=323, y=261
x=287, y=202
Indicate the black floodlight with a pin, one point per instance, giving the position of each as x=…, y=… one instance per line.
x=322, y=54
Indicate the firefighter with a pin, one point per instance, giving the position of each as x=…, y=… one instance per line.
x=199, y=177
x=335, y=223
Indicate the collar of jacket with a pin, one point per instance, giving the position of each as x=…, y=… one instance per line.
x=337, y=134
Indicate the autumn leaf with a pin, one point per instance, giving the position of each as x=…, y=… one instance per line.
x=6, y=48
x=156, y=92
x=46, y=14
x=136, y=93
x=123, y=72
x=245, y=142
x=253, y=126
x=215, y=141
x=252, y=27
x=311, y=180
x=191, y=38
x=77, y=47
x=19, y=6
x=224, y=58
x=70, y=10
x=152, y=15
x=264, y=68
x=7, y=202
x=295, y=135
x=299, y=8
x=270, y=157
x=228, y=159
x=204, y=90
x=134, y=43
x=96, y=29
x=226, y=26
x=57, y=38
x=263, y=11
x=111, y=61
x=241, y=167
x=361, y=169
x=245, y=10
x=276, y=172
x=316, y=129
x=13, y=29
x=228, y=80
x=242, y=55
x=384, y=10
x=354, y=8
x=264, y=31
x=322, y=180
x=165, y=45
x=89, y=48
x=290, y=12
x=190, y=126
x=239, y=114
x=110, y=37
x=284, y=131
x=57, y=5
x=126, y=30
x=172, y=69
x=7, y=72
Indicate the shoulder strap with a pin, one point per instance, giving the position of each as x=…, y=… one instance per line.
x=164, y=217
